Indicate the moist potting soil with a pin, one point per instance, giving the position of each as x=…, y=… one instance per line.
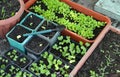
x=105, y=59
x=8, y=8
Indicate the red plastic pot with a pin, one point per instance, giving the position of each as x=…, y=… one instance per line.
x=88, y=12
x=7, y=24
x=29, y=3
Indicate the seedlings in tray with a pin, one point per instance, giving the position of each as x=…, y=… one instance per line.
x=12, y=69
x=3, y=62
x=31, y=24
x=45, y=64
x=93, y=74
x=23, y=74
x=18, y=37
x=12, y=55
x=43, y=27
x=23, y=60
x=75, y=21
x=39, y=68
x=69, y=49
x=2, y=73
x=40, y=44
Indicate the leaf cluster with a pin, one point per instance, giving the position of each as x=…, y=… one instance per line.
x=75, y=21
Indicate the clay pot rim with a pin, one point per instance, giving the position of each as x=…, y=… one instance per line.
x=16, y=16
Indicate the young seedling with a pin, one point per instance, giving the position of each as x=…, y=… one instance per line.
x=23, y=60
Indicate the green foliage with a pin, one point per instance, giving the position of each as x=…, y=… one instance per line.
x=93, y=74
x=23, y=74
x=70, y=49
x=75, y=21
x=44, y=66
x=13, y=69
x=23, y=60
x=13, y=55
x=3, y=62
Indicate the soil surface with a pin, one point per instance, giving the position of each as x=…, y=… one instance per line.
x=8, y=8
x=37, y=45
x=18, y=31
x=32, y=21
x=46, y=26
x=105, y=60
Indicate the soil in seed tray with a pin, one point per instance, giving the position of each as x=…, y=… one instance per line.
x=8, y=8
x=105, y=60
x=45, y=26
x=18, y=31
x=14, y=70
x=37, y=44
x=59, y=15
x=32, y=21
x=21, y=63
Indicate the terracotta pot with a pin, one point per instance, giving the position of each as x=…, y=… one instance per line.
x=7, y=24
x=92, y=48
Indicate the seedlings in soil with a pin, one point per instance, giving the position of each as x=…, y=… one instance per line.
x=93, y=74
x=3, y=62
x=2, y=73
x=23, y=60
x=31, y=24
x=23, y=74
x=18, y=37
x=13, y=69
x=40, y=44
x=40, y=67
x=30, y=16
x=75, y=21
x=70, y=49
x=13, y=55
x=43, y=27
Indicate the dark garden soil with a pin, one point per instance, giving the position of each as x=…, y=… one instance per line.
x=48, y=25
x=37, y=45
x=96, y=32
x=18, y=31
x=105, y=60
x=8, y=8
x=32, y=21
x=55, y=52
x=22, y=64
x=4, y=45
